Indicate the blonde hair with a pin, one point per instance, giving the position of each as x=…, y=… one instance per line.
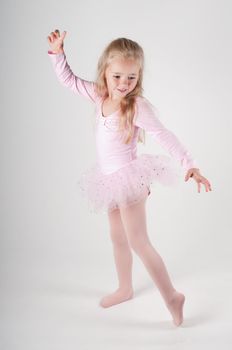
x=127, y=49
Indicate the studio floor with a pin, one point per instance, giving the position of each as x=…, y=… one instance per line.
x=59, y=312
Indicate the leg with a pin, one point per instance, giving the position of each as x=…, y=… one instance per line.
x=134, y=220
x=123, y=261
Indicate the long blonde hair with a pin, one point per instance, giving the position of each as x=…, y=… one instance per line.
x=127, y=49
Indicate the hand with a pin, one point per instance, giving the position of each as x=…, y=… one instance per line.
x=195, y=174
x=55, y=41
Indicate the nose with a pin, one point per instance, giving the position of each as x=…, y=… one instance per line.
x=124, y=82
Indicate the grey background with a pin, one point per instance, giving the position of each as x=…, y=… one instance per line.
x=56, y=257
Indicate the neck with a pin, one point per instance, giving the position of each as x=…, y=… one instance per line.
x=114, y=99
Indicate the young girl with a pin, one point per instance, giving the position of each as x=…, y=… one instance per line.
x=119, y=182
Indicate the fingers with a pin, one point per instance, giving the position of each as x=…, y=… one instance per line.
x=188, y=175
x=200, y=180
x=56, y=34
x=51, y=37
x=199, y=186
x=206, y=184
x=63, y=35
x=208, y=187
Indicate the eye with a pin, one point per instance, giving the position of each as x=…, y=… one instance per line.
x=118, y=76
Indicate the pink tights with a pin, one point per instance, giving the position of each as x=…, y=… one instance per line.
x=128, y=229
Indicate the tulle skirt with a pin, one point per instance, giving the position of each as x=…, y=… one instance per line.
x=129, y=184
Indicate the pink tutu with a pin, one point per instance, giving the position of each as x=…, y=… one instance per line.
x=127, y=185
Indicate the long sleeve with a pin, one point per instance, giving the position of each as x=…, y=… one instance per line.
x=147, y=119
x=68, y=79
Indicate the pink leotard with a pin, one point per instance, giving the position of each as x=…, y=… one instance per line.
x=112, y=153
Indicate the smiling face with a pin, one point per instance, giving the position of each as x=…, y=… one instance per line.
x=121, y=77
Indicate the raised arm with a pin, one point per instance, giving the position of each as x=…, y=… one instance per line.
x=63, y=71
x=147, y=119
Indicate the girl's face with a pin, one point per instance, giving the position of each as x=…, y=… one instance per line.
x=121, y=77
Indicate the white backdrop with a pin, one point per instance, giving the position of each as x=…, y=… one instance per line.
x=56, y=257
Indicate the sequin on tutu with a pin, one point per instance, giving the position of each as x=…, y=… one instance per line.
x=127, y=185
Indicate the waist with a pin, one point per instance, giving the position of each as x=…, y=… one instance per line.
x=111, y=164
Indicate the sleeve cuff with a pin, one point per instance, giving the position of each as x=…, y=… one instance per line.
x=193, y=165
x=53, y=53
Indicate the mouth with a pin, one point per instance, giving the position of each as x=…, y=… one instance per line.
x=123, y=90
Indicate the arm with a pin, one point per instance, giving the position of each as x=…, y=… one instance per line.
x=146, y=118
x=68, y=79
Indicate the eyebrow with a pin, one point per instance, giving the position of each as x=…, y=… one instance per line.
x=121, y=73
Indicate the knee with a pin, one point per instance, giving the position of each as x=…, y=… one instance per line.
x=139, y=243
x=118, y=238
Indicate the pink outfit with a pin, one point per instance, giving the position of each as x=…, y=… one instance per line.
x=119, y=176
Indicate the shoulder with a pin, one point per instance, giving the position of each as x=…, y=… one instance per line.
x=145, y=107
x=98, y=98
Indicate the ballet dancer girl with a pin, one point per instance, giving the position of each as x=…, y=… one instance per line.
x=119, y=183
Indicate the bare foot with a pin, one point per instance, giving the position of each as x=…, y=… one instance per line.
x=117, y=297
x=175, y=306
